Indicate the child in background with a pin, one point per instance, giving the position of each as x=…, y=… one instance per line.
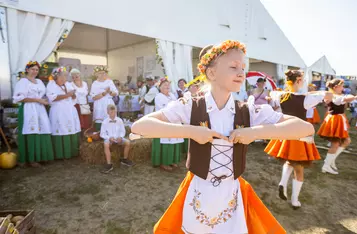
x=113, y=132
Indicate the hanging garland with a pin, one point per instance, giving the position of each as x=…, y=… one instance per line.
x=62, y=38
x=159, y=58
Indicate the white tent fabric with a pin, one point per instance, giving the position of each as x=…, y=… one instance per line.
x=280, y=69
x=32, y=37
x=322, y=66
x=177, y=65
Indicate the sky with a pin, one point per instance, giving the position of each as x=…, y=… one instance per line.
x=320, y=27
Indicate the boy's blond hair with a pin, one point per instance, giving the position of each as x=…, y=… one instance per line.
x=111, y=107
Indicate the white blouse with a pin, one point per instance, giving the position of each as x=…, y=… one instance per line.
x=81, y=93
x=227, y=195
x=36, y=119
x=100, y=106
x=310, y=101
x=161, y=101
x=63, y=115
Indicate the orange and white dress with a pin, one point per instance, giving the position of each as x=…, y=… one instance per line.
x=232, y=207
x=335, y=126
x=312, y=116
x=295, y=151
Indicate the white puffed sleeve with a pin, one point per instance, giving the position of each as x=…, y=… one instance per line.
x=312, y=99
x=262, y=114
x=51, y=91
x=179, y=111
x=21, y=90
x=339, y=100
x=95, y=89
x=112, y=87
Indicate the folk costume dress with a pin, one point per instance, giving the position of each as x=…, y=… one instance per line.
x=335, y=125
x=165, y=151
x=100, y=112
x=149, y=99
x=81, y=99
x=312, y=116
x=35, y=144
x=295, y=151
x=65, y=123
x=213, y=198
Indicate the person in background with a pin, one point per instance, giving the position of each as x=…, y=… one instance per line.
x=260, y=93
x=181, y=88
x=81, y=89
x=34, y=137
x=113, y=132
x=353, y=106
x=129, y=84
x=149, y=98
x=64, y=118
x=166, y=152
x=346, y=90
x=102, y=91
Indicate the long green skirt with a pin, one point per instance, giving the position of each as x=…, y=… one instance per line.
x=185, y=146
x=33, y=147
x=66, y=146
x=165, y=154
x=98, y=126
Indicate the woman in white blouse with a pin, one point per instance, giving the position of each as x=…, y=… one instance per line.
x=34, y=138
x=64, y=118
x=102, y=91
x=81, y=100
x=166, y=152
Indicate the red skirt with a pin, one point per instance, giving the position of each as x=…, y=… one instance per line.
x=334, y=128
x=85, y=120
x=293, y=151
x=258, y=217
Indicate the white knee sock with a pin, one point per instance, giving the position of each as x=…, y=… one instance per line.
x=296, y=191
x=338, y=152
x=285, y=175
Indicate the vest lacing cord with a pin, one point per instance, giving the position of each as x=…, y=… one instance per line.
x=216, y=180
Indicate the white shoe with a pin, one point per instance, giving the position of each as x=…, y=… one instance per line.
x=328, y=169
x=296, y=205
x=333, y=166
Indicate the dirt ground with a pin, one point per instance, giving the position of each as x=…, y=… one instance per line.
x=73, y=197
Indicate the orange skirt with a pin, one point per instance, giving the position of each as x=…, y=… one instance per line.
x=315, y=118
x=293, y=151
x=334, y=128
x=258, y=217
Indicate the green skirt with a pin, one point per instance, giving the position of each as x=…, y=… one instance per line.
x=66, y=146
x=165, y=154
x=33, y=147
x=98, y=126
x=185, y=146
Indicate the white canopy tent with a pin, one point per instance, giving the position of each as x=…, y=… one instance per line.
x=244, y=20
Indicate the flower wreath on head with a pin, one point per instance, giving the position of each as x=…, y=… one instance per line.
x=217, y=51
x=100, y=68
x=196, y=81
x=56, y=71
x=32, y=63
x=163, y=79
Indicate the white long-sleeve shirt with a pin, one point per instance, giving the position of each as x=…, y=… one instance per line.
x=112, y=128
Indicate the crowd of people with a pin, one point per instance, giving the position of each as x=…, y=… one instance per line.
x=219, y=128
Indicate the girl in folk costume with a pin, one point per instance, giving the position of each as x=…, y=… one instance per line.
x=297, y=154
x=312, y=115
x=216, y=161
x=166, y=152
x=64, y=118
x=335, y=125
x=34, y=138
x=181, y=88
x=102, y=91
x=81, y=101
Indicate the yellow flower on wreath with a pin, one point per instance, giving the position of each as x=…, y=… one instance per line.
x=197, y=204
x=232, y=203
x=213, y=220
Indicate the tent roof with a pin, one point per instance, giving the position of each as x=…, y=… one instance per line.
x=181, y=22
x=322, y=66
